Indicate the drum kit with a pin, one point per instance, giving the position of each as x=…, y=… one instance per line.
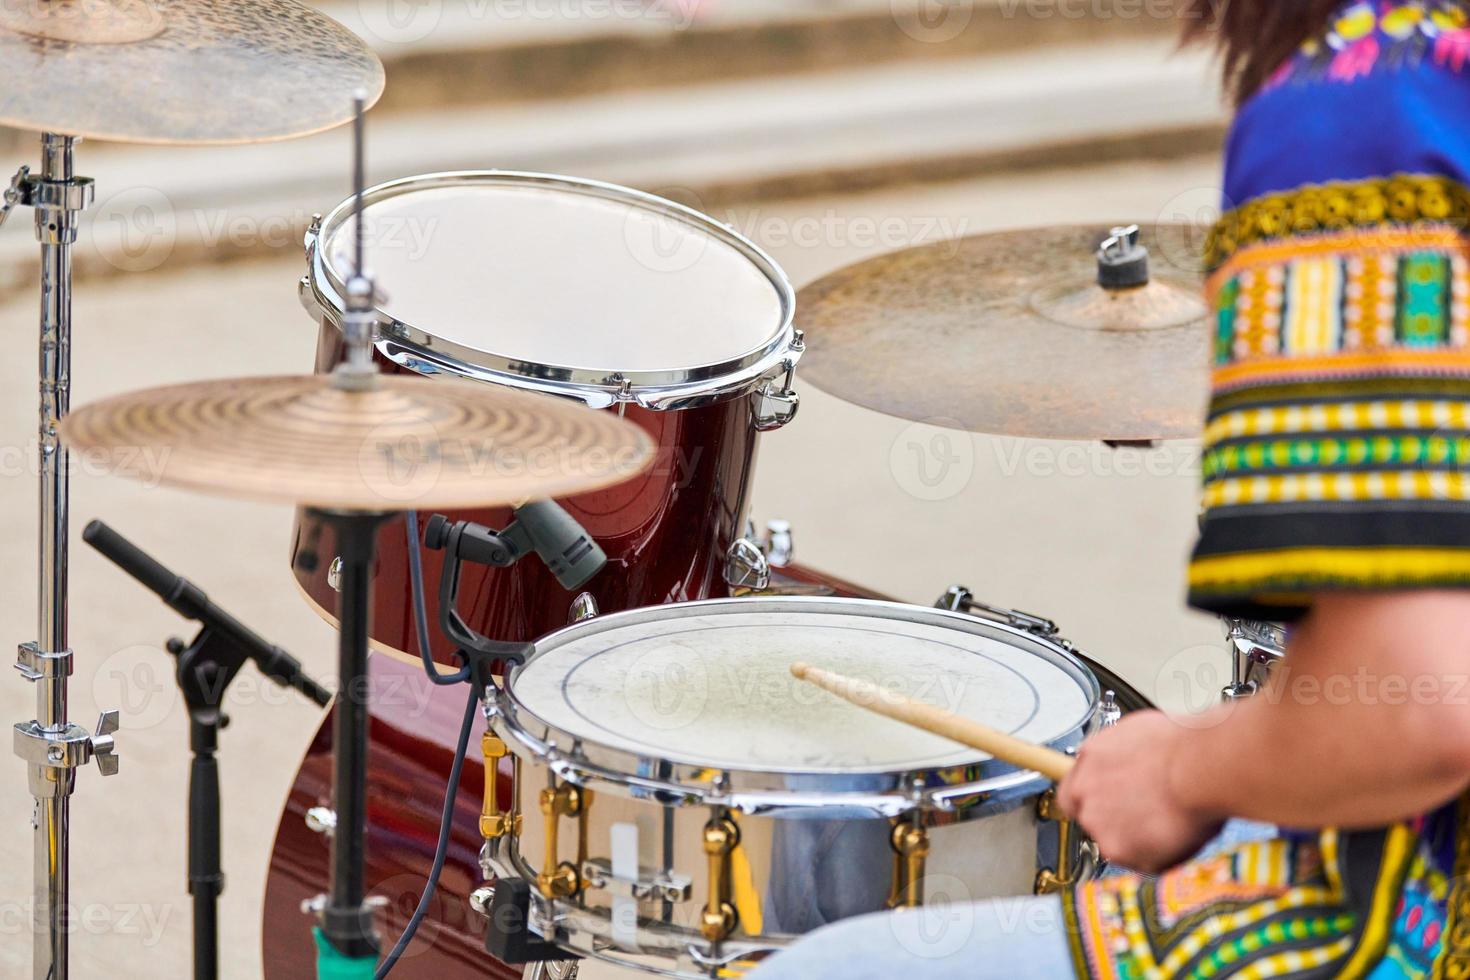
x=582, y=371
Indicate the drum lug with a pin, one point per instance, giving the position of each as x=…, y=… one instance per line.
x=958, y=598
x=746, y=567
x=583, y=607
x=495, y=822
x=1108, y=713
x=309, y=240
x=1074, y=855
x=775, y=401
x=910, y=843
x=563, y=879
x=778, y=546
x=1255, y=647
x=721, y=837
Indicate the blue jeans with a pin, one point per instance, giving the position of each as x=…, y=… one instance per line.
x=1000, y=939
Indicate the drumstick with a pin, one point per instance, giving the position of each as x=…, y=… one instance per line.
x=886, y=701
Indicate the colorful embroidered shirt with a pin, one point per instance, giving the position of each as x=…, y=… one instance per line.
x=1338, y=439
x=1335, y=457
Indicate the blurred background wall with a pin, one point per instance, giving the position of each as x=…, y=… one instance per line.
x=826, y=130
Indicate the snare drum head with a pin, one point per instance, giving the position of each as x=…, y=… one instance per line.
x=538, y=275
x=708, y=684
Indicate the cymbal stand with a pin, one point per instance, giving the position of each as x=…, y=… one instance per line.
x=347, y=941
x=53, y=747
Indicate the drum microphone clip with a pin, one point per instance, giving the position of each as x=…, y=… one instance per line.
x=541, y=526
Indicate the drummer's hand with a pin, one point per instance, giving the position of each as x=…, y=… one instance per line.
x=1119, y=791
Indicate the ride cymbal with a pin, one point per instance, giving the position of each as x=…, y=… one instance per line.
x=1010, y=334
x=407, y=443
x=179, y=71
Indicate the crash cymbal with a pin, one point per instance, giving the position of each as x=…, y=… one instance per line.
x=179, y=71
x=407, y=443
x=1010, y=334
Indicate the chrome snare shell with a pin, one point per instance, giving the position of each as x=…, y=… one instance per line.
x=730, y=861
x=766, y=368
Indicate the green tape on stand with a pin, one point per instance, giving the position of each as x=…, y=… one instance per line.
x=332, y=965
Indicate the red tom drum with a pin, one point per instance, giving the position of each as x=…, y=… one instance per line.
x=584, y=290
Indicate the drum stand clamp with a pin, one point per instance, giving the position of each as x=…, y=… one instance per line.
x=55, y=753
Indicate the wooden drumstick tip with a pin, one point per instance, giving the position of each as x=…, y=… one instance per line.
x=800, y=670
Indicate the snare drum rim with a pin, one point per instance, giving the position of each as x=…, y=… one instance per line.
x=587, y=761
x=419, y=350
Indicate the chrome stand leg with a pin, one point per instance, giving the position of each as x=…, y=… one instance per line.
x=52, y=746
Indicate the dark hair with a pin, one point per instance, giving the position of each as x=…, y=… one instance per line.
x=1254, y=36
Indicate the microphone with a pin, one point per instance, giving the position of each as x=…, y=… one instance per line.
x=542, y=526
x=189, y=601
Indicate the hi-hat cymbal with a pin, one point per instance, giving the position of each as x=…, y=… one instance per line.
x=1009, y=334
x=179, y=71
x=408, y=443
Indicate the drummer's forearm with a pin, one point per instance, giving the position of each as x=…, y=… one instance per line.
x=1370, y=723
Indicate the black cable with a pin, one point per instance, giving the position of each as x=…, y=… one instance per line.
x=420, y=617
x=442, y=849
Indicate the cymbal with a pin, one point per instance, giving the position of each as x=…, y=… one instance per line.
x=408, y=443
x=1010, y=334
x=179, y=71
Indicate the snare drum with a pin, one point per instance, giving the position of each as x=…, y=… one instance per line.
x=583, y=290
x=681, y=803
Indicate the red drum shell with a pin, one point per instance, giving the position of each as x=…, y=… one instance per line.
x=412, y=734
x=665, y=534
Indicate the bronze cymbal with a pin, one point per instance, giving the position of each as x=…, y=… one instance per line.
x=408, y=443
x=179, y=71
x=1009, y=334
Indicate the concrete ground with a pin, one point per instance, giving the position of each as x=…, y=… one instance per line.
x=1095, y=540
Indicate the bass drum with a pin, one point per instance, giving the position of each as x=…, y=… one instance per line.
x=581, y=290
x=414, y=727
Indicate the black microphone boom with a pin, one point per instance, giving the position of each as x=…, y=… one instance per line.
x=189, y=601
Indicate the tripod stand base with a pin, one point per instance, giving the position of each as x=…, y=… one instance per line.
x=332, y=965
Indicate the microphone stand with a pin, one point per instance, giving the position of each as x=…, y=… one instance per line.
x=204, y=669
